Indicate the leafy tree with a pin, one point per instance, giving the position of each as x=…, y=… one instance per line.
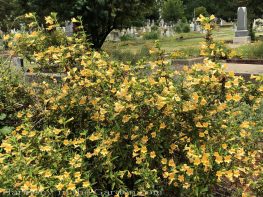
x=99, y=17
x=200, y=10
x=225, y=9
x=102, y=16
x=7, y=13
x=172, y=10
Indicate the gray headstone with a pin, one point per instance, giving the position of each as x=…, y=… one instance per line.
x=69, y=28
x=241, y=22
x=18, y=62
x=192, y=26
x=242, y=18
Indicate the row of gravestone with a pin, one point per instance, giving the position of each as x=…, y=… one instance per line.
x=138, y=32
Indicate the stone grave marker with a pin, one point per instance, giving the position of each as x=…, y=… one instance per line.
x=242, y=34
x=18, y=62
x=69, y=28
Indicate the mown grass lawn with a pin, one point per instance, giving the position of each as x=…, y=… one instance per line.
x=169, y=44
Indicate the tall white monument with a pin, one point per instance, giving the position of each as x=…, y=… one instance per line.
x=242, y=33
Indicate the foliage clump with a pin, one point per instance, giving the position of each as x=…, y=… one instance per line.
x=214, y=50
x=113, y=126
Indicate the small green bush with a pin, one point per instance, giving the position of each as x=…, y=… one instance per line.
x=155, y=28
x=252, y=51
x=126, y=37
x=154, y=35
x=182, y=27
x=14, y=96
x=129, y=56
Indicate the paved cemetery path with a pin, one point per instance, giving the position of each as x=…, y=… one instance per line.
x=255, y=69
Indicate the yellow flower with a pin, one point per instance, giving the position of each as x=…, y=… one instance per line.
x=171, y=163
x=153, y=134
x=29, y=15
x=104, y=152
x=186, y=185
x=212, y=46
x=7, y=147
x=118, y=107
x=45, y=148
x=74, y=20
x=59, y=186
x=197, y=161
x=236, y=97
x=47, y=174
x=219, y=159
x=201, y=18
x=189, y=171
x=17, y=36
x=6, y=37
x=96, y=55
x=144, y=149
x=138, y=160
x=229, y=175
x=95, y=137
x=224, y=146
x=227, y=158
x=245, y=125
x=89, y=155
x=161, y=101
x=207, y=27
x=71, y=186
x=26, y=186
x=86, y=184
x=32, y=134
x=181, y=178
x=24, y=132
x=82, y=100
x=136, y=148
x=236, y=173
x=33, y=188
x=162, y=125
x=126, y=118
x=66, y=142
x=19, y=115
x=212, y=17
x=164, y=161
x=229, y=97
x=219, y=174
x=201, y=134
x=49, y=20
x=144, y=139
x=152, y=154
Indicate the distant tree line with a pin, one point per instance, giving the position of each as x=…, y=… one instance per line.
x=100, y=17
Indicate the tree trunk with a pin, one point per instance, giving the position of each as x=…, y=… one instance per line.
x=99, y=39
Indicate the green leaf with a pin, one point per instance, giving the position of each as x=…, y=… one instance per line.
x=6, y=130
x=2, y=116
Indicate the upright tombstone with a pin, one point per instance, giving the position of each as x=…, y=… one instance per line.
x=18, y=62
x=69, y=28
x=192, y=26
x=242, y=34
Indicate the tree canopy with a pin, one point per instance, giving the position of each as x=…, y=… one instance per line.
x=100, y=17
x=172, y=10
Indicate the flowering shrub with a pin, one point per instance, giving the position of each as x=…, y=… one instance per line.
x=185, y=53
x=179, y=55
x=44, y=46
x=14, y=96
x=214, y=50
x=111, y=126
